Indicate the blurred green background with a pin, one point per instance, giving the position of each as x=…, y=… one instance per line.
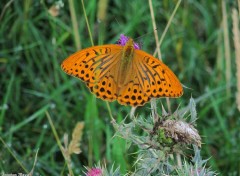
x=37, y=35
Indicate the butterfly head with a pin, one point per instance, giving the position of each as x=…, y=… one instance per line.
x=124, y=40
x=128, y=50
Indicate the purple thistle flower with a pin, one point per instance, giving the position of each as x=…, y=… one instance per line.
x=94, y=172
x=123, y=40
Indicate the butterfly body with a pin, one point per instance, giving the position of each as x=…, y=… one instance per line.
x=123, y=73
x=125, y=64
x=128, y=51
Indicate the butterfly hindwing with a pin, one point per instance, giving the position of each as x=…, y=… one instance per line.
x=132, y=94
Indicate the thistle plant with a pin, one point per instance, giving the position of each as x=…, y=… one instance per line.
x=163, y=139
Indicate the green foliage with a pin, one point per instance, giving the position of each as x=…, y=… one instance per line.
x=33, y=43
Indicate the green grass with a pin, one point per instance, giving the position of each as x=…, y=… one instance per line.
x=34, y=43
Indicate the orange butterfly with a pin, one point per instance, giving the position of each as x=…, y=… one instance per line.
x=123, y=72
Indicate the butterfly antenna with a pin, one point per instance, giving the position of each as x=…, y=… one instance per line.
x=145, y=34
x=140, y=37
x=119, y=26
x=117, y=21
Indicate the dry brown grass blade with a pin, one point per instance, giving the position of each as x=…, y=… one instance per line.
x=154, y=29
x=77, y=38
x=102, y=10
x=236, y=40
x=34, y=164
x=238, y=4
x=226, y=47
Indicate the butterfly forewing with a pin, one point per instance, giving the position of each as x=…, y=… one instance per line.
x=91, y=64
x=94, y=66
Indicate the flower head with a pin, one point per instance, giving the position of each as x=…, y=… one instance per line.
x=123, y=40
x=94, y=172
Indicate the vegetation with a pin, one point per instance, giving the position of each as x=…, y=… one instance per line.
x=39, y=103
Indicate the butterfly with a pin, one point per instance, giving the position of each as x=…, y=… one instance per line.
x=123, y=72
